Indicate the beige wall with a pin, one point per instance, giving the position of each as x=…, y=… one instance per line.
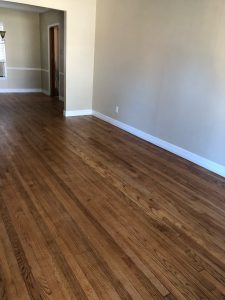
x=80, y=38
x=47, y=19
x=22, y=49
x=163, y=63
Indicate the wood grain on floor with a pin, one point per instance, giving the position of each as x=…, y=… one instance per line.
x=88, y=211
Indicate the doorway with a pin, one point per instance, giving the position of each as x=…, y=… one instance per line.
x=54, y=60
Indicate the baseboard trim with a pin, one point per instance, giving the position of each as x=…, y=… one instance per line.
x=76, y=113
x=6, y=91
x=46, y=92
x=198, y=160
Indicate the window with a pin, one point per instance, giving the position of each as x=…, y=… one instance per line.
x=2, y=56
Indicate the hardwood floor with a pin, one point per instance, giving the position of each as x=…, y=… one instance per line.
x=91, y=212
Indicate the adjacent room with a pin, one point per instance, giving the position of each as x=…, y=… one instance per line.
x=112, y=149
x=32, y=54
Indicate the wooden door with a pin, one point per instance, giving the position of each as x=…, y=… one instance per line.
x=54, y=60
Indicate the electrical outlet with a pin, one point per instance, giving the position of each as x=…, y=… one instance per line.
x=117, y=109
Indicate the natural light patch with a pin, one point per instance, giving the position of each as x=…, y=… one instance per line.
x=2, y=55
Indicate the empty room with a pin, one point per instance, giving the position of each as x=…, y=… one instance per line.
x=112, y=149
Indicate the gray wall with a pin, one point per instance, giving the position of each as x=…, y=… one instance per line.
x=46, y=19
x=163, y=63
x=22, y=49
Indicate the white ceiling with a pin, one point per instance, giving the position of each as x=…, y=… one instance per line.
x=24, y=7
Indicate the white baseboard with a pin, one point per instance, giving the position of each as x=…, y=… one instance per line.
x=75, y=113
x=6, y=91
x=198, y=160
x=46, y=92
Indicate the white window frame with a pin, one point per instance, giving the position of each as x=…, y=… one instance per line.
x=5, y=77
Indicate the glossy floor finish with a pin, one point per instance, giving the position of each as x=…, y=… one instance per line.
x=91, y=212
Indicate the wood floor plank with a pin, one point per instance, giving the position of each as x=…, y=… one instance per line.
x=35, y=247
x=88, y=211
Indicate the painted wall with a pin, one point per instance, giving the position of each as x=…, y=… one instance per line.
x=163, y=63
x=80, y=41
x=22, y=49
x=47, y=19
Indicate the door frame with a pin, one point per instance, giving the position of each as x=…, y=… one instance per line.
x=49, y=67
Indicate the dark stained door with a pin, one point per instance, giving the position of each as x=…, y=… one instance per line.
x=54, y=60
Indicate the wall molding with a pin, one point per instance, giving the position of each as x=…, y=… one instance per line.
x=6, y=91
x=46, y=92
x=24, y=69
x=76, y=113
x=194, y=158
x=31, y=69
